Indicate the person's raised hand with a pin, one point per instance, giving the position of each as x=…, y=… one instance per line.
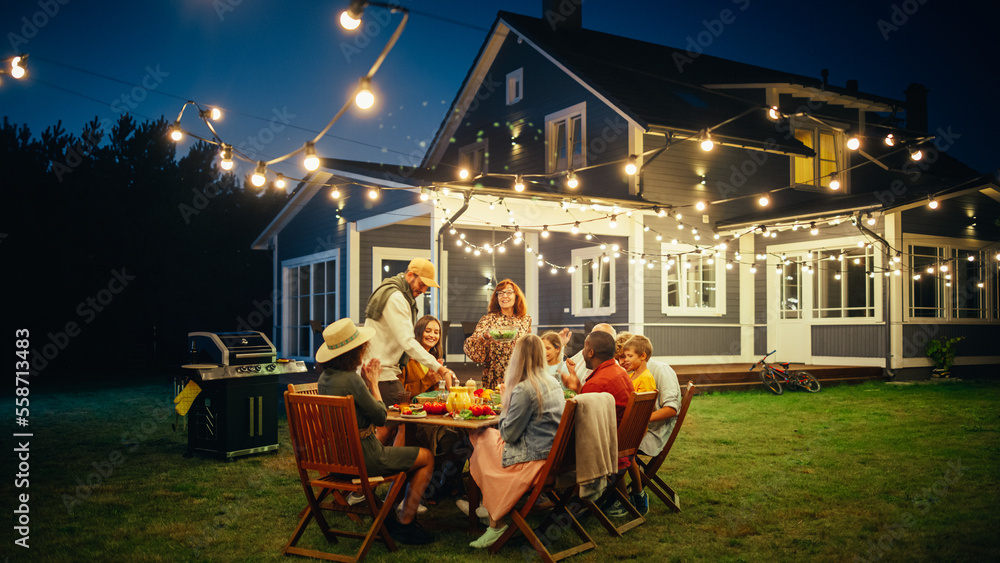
x=565, y=335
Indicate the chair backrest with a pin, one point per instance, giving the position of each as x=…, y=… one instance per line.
x=304, y=388
x=656, y=462
x=634, y=422
x=318, y=425
x=562, y=456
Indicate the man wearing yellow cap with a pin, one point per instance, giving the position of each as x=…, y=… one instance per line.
x=392, y=311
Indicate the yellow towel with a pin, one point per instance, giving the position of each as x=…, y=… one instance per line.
x=186, y=397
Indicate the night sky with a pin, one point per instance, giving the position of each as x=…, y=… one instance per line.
x=280, y=70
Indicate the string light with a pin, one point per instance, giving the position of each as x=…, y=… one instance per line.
x=279, y=181
x=17, y=69
x=773, y=113
x=545, y=231
x=812, y=228
x=932, y=203
x=706, y=141
x=373, y=193
x=764, y=200
x=227, y=157
x=915, y=153
x=834, y=182
x=871, y=220
x=463, y=173
x=854, y=143
x=350, y=18
x=311, y=161
x=613, y=222
x=215, y=114
x=576, y=228
x=700, y=206
x=631, y=166
x=258, y=178
x=175, y=132
x=518, y=183
x=890, y=140
x=571, y=181
x=334, y=193
x=365, y=98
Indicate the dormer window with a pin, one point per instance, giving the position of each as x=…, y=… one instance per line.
x=472, y=157
x=565, y=135
x=515, y=86
x=819, y=170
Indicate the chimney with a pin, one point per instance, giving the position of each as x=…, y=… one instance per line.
x=826, y=76
x=916, y=107
x=563, y=14
x=852, y=85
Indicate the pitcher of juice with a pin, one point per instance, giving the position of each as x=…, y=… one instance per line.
x=459, y=399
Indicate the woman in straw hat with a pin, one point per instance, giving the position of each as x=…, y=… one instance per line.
x=342, y=353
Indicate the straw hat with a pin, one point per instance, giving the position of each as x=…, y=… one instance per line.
x=342, y=336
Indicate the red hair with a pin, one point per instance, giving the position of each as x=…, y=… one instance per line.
x=520, y=309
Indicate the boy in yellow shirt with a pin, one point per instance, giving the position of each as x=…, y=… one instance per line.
x=637, y=351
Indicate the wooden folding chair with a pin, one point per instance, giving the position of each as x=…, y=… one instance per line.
x=649, y=471
x=327, y=446
x=304, y=388
x=630, y=432
x=560, y=462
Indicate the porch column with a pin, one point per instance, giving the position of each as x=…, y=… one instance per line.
x=747, y=291
x=531, y=275
x=636, y=275
x=894, y=236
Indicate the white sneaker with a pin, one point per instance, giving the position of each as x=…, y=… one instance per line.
x=355, y=498
x=481, y=512
x=420, y=509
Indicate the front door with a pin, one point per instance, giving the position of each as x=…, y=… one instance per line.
x=788, y=329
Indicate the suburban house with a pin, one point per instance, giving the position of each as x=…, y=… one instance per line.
x=574, y=162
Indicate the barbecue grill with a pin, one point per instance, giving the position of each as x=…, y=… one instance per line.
x=236, y=413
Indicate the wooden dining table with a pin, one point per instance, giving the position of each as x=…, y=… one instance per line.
x=448, y=420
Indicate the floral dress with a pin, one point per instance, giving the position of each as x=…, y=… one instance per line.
x=494, y=355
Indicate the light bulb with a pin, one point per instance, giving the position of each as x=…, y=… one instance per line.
x=545, y=231
x=753, y=268
x=227, y=157
x=258, y=177
x=631, y=166
x=215, y=114
x=350, y=20
x=334, y=193
x=424, y=196
x=373, y=193
x=932, y=203
x=518, y=183
x=576, y=228
x=773, y=113
x=16, y=70
x=916, y=154
x=279, y=181
x=700, y=206
x=571, y=181
x=763, y=201
x=871, y=219
x=834, y=182
x=812, y=229
x=854, y=143
x=311, y=161
x=175, y=132
x=890, y=140
x=365, y=98
x=463, y=173
x=613, y=222
x=706, y=141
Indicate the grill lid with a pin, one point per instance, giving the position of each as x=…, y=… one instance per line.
x=231, y=348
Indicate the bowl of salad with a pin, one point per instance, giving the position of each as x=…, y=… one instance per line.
x=503, y=334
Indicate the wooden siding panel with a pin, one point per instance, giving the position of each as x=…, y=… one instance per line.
x=760, y=341
x=694, y=340
x=858, y=341
x=980, y=339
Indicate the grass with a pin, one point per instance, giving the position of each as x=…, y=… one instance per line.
x=874, y=471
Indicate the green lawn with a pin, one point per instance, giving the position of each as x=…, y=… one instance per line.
x=874, y=471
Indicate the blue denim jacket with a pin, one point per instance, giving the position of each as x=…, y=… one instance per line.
x=526, y=432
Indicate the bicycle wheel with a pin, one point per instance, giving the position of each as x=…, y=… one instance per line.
x=806, y=381
x=770, y=382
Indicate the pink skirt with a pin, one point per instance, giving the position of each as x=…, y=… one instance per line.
x=501, y=486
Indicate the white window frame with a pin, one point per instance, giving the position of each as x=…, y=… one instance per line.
x=669, y=249
x=380, y=253
x=821, y=286
x=551, y=120
x=515, y=86
x=466, y=157
x=286, y=266
x=953, y=251
x=839, y=153
x=578, y=255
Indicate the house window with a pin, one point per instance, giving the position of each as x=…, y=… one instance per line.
x=818, y=170
x=842, y=284
x=311, y=291
x=967, y=297
x=473, y=158
x=593, y=282
x=515, y=86
x=927, y=287
x=695, y=285
x=790, y=290
x=566, y=131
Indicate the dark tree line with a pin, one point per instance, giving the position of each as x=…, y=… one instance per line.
x=113, y=248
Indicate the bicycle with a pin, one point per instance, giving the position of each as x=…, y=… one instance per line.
x=773, y=377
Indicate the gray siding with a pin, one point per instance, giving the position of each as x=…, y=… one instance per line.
x=694, y=340
x=395, y=236
x=859, y=341
x=980, y=339
x=468, y=294
x=760, y=341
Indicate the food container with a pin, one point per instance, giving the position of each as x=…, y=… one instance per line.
x=459, y=399
x=504, y=333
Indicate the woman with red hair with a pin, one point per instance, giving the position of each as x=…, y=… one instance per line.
x=507, y=311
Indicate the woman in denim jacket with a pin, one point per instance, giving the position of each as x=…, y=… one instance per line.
x=509, y=459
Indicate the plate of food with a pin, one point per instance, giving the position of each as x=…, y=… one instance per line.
x=504, y=334
x=413, y=414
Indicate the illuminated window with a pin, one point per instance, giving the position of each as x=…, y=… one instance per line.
x=695, y=285
x=843, y=288
x=817, y=170
x=566, y=132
